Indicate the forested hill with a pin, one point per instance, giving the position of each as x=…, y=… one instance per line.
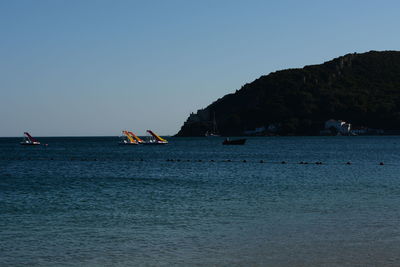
x=362, y=89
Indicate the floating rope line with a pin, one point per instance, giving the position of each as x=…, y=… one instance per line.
x=186, y=160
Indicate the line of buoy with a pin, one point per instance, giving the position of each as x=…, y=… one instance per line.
x=183, y=160
x=262, y=161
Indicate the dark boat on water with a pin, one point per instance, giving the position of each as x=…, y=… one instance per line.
x=227, y=141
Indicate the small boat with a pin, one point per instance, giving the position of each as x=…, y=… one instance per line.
x=227, y=141
x=155, y=139
x=214, y=131
x=211, y=134
x=127, y=139
x=29, y=140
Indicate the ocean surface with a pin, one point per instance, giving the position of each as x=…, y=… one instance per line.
x=193, y=202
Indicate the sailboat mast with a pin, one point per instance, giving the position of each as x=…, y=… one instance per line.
x=214, y=125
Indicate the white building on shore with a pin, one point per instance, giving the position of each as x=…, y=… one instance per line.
x=340, y=126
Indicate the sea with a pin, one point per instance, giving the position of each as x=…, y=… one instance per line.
x=275, y=201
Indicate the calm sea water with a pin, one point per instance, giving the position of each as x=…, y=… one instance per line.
x=90, y=202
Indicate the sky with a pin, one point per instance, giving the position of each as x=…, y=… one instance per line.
x=94, y=68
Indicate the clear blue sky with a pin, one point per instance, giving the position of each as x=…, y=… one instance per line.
x=97, y=67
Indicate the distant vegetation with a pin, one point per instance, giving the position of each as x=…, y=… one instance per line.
x=363, y=89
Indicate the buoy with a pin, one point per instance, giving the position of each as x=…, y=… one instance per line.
x=178, y=160
x=200, y=160
x=244, y=160
x=348, y=163
x=381, y=163
x=228, y=160
x=283, y=162
x=212, y=160
x=261, y=161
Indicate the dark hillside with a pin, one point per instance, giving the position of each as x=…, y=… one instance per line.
x=363, y=89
